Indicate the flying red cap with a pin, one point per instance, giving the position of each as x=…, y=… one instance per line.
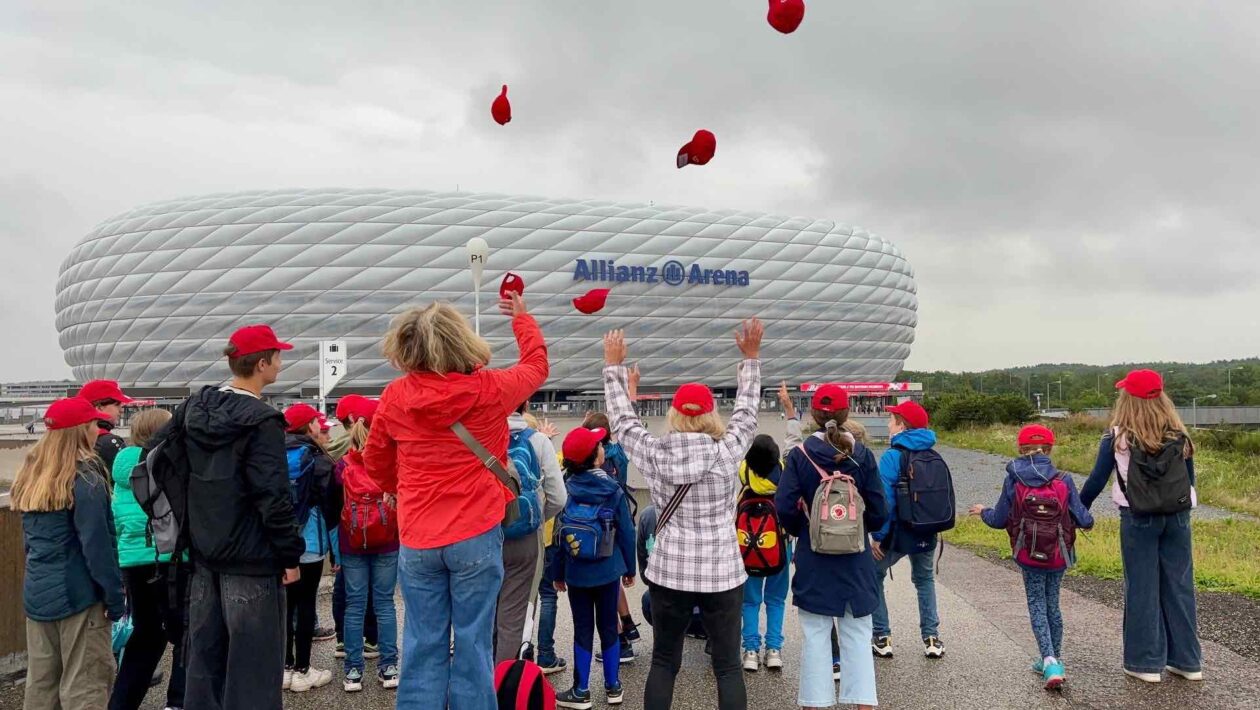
x=913, y=412
x=256, y=339
x=1143, y=384
x=71, y=412
x=501, y=109
x=592, y=301
x=511, y=283
x=786, y=15
x=299, y=416
x=101, y=390
x=693, y=399
x=581, y=443
x=699, y=150
x=830, y=398
x=1036, y=434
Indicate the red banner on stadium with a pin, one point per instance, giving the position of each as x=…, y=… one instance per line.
x=863, y=387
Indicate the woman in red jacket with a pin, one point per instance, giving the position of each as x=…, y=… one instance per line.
x=450, y=505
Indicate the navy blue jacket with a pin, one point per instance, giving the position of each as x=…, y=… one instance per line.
x=72, y=554
x=592, y=487
x=1105, y=465
x=829, y=584
x=1034, y=471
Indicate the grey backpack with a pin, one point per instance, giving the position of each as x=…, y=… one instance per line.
x=835, y=514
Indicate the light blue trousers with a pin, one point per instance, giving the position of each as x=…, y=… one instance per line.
x=857, y=664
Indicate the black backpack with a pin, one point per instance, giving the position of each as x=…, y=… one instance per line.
x=1158, y=482
x=924, y=493
x=160, y=484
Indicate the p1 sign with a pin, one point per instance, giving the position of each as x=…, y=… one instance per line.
x=333, y=359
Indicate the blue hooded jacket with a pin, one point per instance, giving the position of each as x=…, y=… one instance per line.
x=890, y=471
x=592, y=487
x=1034, y=471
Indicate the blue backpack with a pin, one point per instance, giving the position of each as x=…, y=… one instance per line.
x=301, y=466
x=924, y=492
x=589, y=530
x=524, y=460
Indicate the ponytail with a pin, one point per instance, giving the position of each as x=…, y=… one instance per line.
x=358, y=434
x=832, y=426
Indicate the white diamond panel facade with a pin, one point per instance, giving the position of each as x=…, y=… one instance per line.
x=150, y=296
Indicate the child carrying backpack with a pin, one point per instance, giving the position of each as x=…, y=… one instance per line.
x=1040, y=509
x=763, y=544
x=597, y=548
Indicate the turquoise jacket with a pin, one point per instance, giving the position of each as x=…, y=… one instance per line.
x=135, y=547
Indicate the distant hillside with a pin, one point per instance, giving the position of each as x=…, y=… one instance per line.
x=1080, y=386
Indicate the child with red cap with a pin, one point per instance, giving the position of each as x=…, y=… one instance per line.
x=109, y=399
x=595, y=560
x=1040, y=510
x=692, y=474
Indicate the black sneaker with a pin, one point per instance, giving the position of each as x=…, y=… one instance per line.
x=627, y=654
x=615, y=694
x=629, y=629
x=933, y=648
x=325, y=633
x=554, y=665
x=881, y=646
x=574, y=698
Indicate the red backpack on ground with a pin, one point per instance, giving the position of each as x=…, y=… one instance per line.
x=519, y=684
x=1041, y=527
x=762, y=542
x=366, y=520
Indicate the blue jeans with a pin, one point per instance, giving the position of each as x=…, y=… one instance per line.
x=1041, y=586
x=1160, y=620
x=547, y=612
x=772, y=591
x=857, y=664
x=923, y=574
x=444, y=588
x=376, y=575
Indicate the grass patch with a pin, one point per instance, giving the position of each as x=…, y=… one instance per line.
x=1224, y=478
x=1226, y=551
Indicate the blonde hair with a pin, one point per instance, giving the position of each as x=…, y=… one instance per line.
x=1148, y=422
x=358, y=434
x=145, y=424
x=710, y=423
x=436, y=338
x=531, y=421
x=45, y=482
x=856, y=428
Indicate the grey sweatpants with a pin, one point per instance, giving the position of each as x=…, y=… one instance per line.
x=236, y=642
x=520, y=563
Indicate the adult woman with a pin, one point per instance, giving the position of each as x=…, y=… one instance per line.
x=73, y=588
x=692, y=471
x=1150, y=450
x=450, y=505
x=147, y=577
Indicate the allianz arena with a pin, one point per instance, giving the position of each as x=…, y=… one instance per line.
x=150, y=296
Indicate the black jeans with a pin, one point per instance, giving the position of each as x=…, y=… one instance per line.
x=300, y=626
x=339, y=612
x=722, y=614
x=235, y=642
x=156, y=624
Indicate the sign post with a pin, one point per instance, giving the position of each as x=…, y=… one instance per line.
x=478, y=253
x=333, y=359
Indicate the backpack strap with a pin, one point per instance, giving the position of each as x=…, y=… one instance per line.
x=828, y=479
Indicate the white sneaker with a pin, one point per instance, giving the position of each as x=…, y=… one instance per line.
x=774, y=659
x=1188, y=675
x=312, y=678
x=751, y=661
x=288, y=678
x=1146, y=677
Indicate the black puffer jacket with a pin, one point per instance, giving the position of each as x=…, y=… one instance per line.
x=240, y=514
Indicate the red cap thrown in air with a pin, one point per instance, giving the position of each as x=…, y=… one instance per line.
x=592, y=301
x=786, y=15
x=699, y=150
x=501, y=109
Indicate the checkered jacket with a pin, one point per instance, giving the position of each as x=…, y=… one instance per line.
x=698, y=550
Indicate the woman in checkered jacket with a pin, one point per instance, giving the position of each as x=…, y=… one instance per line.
x=692, y=472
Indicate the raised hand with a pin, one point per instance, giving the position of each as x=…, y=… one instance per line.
x=633, y=385
x=785, y=400
x=547, y=428
x=513, y=306
x=615, y=348
x=748, y=338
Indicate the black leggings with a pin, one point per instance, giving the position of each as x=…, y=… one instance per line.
x=156, y=624
x=722, y=614
x=301, y=596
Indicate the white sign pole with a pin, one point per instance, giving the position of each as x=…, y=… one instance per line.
x=333, y=360
x=478, y=253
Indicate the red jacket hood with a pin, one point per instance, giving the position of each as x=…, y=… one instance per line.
x=433, y=400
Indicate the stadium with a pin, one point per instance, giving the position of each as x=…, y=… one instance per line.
x=149, y=297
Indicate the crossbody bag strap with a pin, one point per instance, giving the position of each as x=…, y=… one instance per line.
x=672, y=506
x=488, y=459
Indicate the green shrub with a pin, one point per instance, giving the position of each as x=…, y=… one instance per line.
x=978, y=410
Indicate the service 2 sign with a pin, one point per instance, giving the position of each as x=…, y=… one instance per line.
x=671, y=273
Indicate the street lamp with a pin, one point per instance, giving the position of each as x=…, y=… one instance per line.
x=478, y=252
x=1229, y=380
x=1194, y=410
x=1050, y=401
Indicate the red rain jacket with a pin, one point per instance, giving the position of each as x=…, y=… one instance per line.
x=445, y=493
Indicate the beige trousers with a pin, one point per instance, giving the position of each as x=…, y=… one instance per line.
x=69, y=663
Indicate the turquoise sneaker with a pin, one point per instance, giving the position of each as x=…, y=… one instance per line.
x=1038, y=666
x=1053, y=675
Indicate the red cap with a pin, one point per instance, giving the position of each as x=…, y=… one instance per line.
x=324, y=424
x=915, y=415
x=830, y=398
x=71, y=412
x=581, y=443
x=101, y=390
x=501, y=109
x=786, y=15
x=299, y=416
x=693, y=399
x=1036, y=434
x=1143, y=384
x=511, y=283
x=699, y=150
x=592, y=301
x=356, y=406
x=256, y=339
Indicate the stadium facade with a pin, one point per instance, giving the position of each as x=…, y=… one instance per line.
x=150, y=296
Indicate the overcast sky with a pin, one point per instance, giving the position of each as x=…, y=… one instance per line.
x=1071, y=180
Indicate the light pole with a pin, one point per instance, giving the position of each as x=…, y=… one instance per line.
x=1194, y=410
x=1229, y=379
x=478, y=252
x=1060, y=384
